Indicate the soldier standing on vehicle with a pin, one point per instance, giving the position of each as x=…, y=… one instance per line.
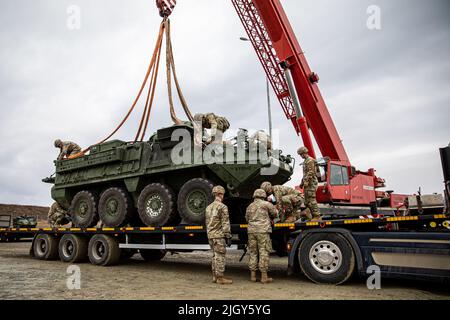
x=219, y=234
x=218, y=125
x=67, y=149
x=310, y=183
x=288, y=200
x=57, y=216
x=259, y=217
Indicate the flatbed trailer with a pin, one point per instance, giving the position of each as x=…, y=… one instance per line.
x=416, y=247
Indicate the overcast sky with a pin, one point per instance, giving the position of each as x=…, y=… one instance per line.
x=387, y=90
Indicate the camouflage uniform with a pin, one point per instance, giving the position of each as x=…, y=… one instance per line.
x=68, y=149
x=290, y=200
x=262, y=141
x=218, y=229
x=217, y=124
x=310, y=184
x=258, y=216
x=57, y=215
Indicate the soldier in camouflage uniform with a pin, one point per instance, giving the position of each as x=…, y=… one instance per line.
x=57, y=216
x=288, y=200
x=259, y=217
x=310, y=183
x=217, y=124
x=219, y=234
x=67, y=149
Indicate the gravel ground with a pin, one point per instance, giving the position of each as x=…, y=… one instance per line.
x=181, y=276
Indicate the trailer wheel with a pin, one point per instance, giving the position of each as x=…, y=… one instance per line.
x=115, y=207
x=73, y=248
x=45, y=247
x=103, y=250
x=194, y=197
x=83, y=210
x=156, y=205
x=326, y=258
x=152, y=255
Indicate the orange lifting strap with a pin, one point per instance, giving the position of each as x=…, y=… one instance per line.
x=152, y=73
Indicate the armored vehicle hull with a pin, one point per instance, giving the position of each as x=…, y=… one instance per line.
x=165, y=180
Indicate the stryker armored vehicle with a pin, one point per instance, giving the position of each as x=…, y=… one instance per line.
x=122, y=183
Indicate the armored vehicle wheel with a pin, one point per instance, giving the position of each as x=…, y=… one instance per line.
x=103, y=250
x=156, y=205
x=115, y=207
x=326, y=258
x=45, y=247
x=194, y=197
x=73, y=248
x=83, y=210
x=152, y=255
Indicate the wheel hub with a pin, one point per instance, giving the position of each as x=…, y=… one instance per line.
x=83, y=208
x=68, y=248
x=325, y=257
x=99, y=250
x=42, y=246
x=112, y=207
x=197, y=202
x=155, y=206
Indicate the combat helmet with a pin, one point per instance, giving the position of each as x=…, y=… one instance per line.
x=223, y=123
x=218, y=190
x=302, y=150
x=259, y=194
x=266, y=186
x=58, y=142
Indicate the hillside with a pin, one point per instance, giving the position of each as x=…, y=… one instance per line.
x=20, y=210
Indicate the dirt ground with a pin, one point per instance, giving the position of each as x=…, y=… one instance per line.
x=181, y=276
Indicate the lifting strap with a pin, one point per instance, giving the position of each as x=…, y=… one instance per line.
x=152, y=74
x=170, y=65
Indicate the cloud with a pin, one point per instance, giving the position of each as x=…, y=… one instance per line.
x=387, y=90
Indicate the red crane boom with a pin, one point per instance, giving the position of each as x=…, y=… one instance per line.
x=296, y=88
x=279, y=52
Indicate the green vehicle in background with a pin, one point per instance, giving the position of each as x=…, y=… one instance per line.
x=123, y=183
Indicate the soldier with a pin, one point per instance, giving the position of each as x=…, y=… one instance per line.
x=262, y=141
x=310, y=183
x=259, y=217
x=219, y=234
x=288, y=200
x=67, y=148
x=218, y=125
x=57, y=216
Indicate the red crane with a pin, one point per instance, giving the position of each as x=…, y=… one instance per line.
x=297, y=90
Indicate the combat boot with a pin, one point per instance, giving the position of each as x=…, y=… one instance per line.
x=214, y=278
x=223, y=280
x=265, y=278
x=253, y=276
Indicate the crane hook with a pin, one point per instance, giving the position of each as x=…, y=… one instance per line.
x=165, y=7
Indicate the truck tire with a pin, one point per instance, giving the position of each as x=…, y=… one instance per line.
x=103, y=250
x=115, y=207
x=83, y=210
x=326, y=258
x=152, y=255
x=73, y=248
x=156, y=205
x=195, y=195
x=45, y=247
